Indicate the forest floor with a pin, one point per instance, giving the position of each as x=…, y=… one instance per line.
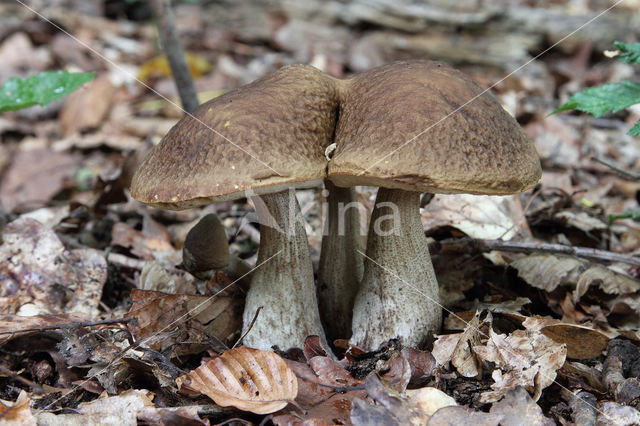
x=97, y=320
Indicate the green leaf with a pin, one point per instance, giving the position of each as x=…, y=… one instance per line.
x=600, y=100
x=40, y=89
x=635, y=130
x=629, y=52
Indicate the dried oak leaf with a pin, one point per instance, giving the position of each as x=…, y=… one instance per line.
x=248, y=379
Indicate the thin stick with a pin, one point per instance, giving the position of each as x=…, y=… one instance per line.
x=476, y=245
x=624, y=173
x=15, y=376
x=253, y=321
x=70, y=325
x=170, y=40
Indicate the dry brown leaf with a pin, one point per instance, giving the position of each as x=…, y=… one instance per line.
x=548, y=272
x=325, y=391
x=159, y=312
x=457, y=349
x=609, y=281
x=142, y=244
x=478, y=216
x=119, y=409
x=88, y=107
x=397, y=372
x=17, y=413
x=582, y=342
x=249, y=379
x=422, y=364
x=35, y=176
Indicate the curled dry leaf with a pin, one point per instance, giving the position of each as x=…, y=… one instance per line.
x=249, y=379
x=457, y=348
x=548, y=272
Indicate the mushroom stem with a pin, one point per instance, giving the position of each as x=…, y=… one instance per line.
x=283, y=282
x=341, y=266
x=398, y=296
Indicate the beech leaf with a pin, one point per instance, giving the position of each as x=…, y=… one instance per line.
x=248, y=379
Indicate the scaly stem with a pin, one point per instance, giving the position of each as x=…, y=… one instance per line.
x=283, y=281
x=341, y=266
x=398, y=296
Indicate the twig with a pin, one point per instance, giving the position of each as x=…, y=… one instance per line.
x=624, y=173
x=476, y=245
x=127, y=262
x=253, y=321
x=172, y=47
x=15, y=376
x=70, y=325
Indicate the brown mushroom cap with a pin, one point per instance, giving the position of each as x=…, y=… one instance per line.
x=206, y=246
x=479, y=149
x=282, y=124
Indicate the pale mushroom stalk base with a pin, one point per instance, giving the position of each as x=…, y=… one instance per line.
x=341, y=266
x=398, y=296
x=284, y=285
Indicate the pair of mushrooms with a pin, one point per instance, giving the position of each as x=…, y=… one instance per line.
x=407, y=127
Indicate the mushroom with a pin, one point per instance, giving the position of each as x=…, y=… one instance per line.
x=206, y=251
x=205, y=248
x=412, y=127
x=263, y=139
x=341, y=266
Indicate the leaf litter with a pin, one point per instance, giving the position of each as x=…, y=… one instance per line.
x=97, y=316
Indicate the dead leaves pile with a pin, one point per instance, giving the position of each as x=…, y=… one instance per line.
x=523, y=358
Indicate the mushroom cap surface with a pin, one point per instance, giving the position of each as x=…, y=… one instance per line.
x=423, y=126
x=206, y=246
x=265, y=136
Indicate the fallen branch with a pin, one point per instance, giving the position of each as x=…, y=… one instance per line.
x=471, y=245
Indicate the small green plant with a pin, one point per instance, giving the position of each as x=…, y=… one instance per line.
x=40, y=89
x=611, y=97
